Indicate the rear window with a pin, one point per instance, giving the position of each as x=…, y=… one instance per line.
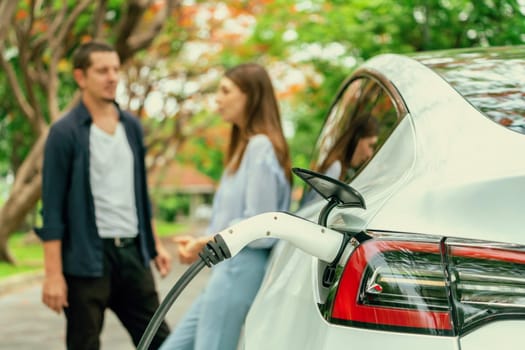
x=493, y=80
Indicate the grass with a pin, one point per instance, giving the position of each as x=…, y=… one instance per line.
x=165, y=229
x=29, y=254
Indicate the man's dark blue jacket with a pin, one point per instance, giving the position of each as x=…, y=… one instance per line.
x=68, y=208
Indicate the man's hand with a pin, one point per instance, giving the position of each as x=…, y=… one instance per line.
x=54, y=292
x=189, y=247
x=162, y=260
x=54, y=289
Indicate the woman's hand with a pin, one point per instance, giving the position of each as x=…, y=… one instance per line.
x=189, y=247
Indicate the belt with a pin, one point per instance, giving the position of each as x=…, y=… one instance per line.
x=121, y=242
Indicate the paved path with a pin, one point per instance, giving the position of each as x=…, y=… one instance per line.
x=26, y=324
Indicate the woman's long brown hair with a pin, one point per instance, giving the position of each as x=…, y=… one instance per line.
x=262, y=113
x=344, y=148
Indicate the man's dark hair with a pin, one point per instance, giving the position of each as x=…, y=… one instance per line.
x=82, y=55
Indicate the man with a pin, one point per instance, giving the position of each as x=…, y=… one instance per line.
x=98, y=235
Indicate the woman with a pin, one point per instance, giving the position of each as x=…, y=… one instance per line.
x=352, y=149
x=257, y=179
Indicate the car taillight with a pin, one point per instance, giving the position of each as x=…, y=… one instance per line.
x=429, y=287
x=397, y=286
x=488, y=283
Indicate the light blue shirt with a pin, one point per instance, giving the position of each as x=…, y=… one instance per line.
x=258, y=186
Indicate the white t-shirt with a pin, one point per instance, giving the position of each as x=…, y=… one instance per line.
x=112, y=183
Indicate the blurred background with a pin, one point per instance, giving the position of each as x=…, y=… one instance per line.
x=174, y=53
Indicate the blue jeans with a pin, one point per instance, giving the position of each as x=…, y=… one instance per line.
x=215, y=319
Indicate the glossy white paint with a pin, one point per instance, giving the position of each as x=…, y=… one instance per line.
x=465, y=170
x=501, y=335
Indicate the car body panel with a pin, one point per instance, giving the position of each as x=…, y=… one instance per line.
x=455, y=170
x=289, y=287
x=506, y=335
x=366, y=339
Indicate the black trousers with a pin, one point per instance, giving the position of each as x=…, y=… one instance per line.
x=127, y=288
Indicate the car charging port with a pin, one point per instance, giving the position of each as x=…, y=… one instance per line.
x=329, y=273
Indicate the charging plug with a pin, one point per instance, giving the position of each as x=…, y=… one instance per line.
x=310, y=237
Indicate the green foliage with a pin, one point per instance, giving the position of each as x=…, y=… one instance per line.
x=365, y=28
x=169, y=206
x=203, y=150
x=309, y=117
x=5, y=134
x=207, y=158
x=16, y=136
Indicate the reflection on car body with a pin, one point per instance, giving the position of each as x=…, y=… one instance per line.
x=444, y=193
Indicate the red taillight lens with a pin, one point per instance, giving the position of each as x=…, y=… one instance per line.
x=395, y=285
x=429, y=286
x=488, y=283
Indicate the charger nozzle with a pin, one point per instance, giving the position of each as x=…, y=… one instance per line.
x=215, y=251
x=312, y=238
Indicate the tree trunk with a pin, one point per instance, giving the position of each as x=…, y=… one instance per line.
x=23, y=197
x=5, y=255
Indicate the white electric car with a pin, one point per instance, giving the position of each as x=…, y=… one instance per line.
x=436, y=259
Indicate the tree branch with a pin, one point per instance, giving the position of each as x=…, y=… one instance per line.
x=32, y=165
x=24, y=53
x=129, y=39
x=26, y=108
x=66, y=25
x=7, y=10
x=100, y=13
x=57, y=22
x=130, y=20
x=56, y=46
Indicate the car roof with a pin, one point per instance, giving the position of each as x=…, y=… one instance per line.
x=481, y=76
x=446, y=169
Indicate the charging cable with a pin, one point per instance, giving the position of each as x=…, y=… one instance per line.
x=319, y=241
